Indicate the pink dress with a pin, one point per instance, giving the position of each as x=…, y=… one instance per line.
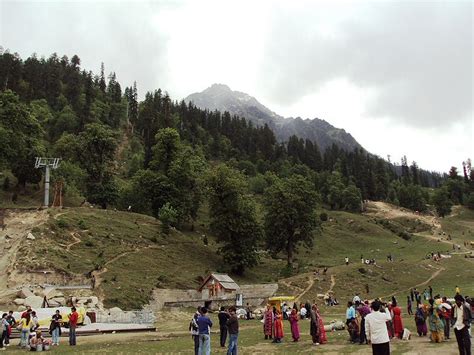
x=295, y=328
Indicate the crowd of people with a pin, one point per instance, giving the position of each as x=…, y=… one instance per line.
x=383, y=320
x=31, y=337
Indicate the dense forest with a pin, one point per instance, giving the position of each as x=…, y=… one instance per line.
x=167, y=159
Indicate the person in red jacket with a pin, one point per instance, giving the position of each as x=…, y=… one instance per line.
x=73, y=317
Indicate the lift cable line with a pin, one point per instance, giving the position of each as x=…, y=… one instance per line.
x=48, y=164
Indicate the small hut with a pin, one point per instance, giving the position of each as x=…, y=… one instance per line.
x=218, y=286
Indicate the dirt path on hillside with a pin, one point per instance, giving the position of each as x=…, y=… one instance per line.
x=96, y=275
x=310, y=285
x=433, y=275
x=18, y=225
x=76, y=241
x=387, y=211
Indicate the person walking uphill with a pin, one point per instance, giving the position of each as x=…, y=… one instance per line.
x=461, y=322
x=223, y=317
x=233, y=325
x=204, y=324
x=73, y=317
x=376, y=329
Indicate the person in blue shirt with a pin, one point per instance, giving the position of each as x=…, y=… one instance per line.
x=352, y=326
x=204, y=325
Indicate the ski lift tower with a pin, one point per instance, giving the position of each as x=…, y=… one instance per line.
x=47, y=163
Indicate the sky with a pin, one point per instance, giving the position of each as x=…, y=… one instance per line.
x=397, y=75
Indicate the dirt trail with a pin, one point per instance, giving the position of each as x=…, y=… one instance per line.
x=76, y=241
x=18, y=224
x=433, y=275
x=387, y=211
x=310, y=285
x=97, y=274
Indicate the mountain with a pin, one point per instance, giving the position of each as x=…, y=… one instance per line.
x=220, y=97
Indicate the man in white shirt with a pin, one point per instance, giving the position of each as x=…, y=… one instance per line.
x=462, y=321
x=376, y=329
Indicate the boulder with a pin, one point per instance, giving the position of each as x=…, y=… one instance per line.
x=26, y=292
x=30, y=236
x=61, y=301
x=93, y=301
x=19, y=301
x=34, y=301
x=55, y=294
x=53, y=303
x=21, y=308
x=115, y=310
x=48, y=292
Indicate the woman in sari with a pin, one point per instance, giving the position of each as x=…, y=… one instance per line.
x=436, y=324
x=397, y=320
x=314, y=326
x=278, y=327
x=268, y=322
x=295, y=328
x=420, y=321
x=322, y=332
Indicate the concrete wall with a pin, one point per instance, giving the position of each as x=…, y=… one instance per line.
x=255, y=295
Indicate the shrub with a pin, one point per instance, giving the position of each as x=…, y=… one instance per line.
x=323, y=216
x=61, y=223
x=82, y=225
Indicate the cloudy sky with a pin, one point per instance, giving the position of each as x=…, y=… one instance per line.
x=396, y=75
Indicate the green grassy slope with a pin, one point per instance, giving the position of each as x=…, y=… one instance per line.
x=132, y=256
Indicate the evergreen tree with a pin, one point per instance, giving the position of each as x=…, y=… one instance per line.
x=290, y=215
x=233, y=219
x=442, y=202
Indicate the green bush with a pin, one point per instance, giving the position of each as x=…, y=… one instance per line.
x=323, y=216
x=61, y=223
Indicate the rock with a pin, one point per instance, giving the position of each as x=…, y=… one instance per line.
x=34, y=301
x=115, y=310
x=30, y=236
x=26, y=292
x=55, y=294
x=48, y=292
x=19, y=301
x=93, y=301
x=21, y=308
x=60, y=300
x=53, y=303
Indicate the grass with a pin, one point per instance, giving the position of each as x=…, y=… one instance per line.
x=136, y=257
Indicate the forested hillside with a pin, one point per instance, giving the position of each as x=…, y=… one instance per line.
x=168, y=159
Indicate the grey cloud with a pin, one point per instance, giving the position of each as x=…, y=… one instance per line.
x=121, y=34
x=416, y=56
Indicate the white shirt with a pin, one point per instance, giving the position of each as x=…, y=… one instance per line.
x=459, y=314
x=376, y=327
x=303, y=312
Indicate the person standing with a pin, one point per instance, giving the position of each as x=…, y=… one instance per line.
x=25, y=328
x=268, y=322
x=321, y=331
x=204, y=324
x=351, y=322
x=194, y=329
x=3, y=329
x=412, y=295
x=397, y=321
x=436, y=324
x=420, y=321
x=446, y=309
x=295, y=328
x=363, y=310
x=278, y=327
x=314, y=327
x=346, y=259
x=409, y=306
x=55, y=327
x=233, y=325
x=223, y=316
x=73, y=317
x=11, y=323
x=376, y=329
x=461, y=322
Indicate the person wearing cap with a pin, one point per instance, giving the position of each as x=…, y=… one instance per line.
x=461, y=322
